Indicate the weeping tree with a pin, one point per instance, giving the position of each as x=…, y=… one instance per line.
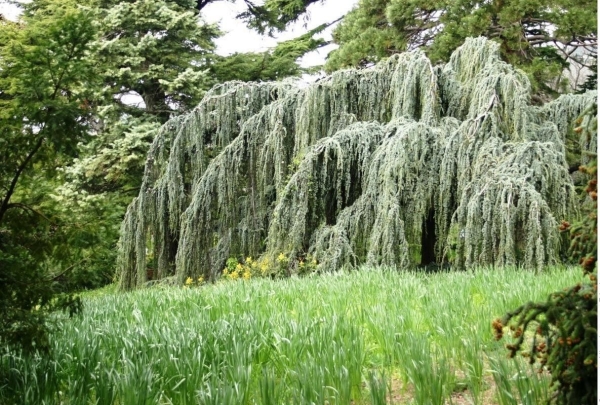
x=399, y=164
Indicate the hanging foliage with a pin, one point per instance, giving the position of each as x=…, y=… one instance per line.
x=402, y=163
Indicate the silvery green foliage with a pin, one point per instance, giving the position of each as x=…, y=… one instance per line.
x=177, y=159
x=563, y=113
x=349, y=168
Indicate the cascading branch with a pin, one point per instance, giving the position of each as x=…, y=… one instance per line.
x=402, y=163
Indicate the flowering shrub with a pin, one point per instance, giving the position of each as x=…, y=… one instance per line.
x=307, y=265
x=249, y=268
x=282, y=266
x=190, y=282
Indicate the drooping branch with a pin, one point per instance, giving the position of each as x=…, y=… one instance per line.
x=363, y=166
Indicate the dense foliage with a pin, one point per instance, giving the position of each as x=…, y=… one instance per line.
x=155, y=51
x=566, y=324
x=328, y=172
x=444, y=154
x=44, y=69
x=348, y=170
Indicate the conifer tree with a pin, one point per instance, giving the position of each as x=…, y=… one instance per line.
x=380, y=165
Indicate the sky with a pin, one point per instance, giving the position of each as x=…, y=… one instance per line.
x=241, y=39
x=238, y=38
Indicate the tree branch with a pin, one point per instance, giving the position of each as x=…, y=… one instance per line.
x=200, y=4
x=13, y=184
x=28, y=208
x=20, y=169
x=71, y=267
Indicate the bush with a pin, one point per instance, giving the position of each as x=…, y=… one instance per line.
x=27, y=299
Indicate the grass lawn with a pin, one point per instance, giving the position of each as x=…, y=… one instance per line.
x=373, y=336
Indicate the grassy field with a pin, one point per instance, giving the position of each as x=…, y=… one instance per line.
x=368, y=337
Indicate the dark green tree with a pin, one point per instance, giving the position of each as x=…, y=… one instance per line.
x=45, y=72
x=272, y=15
x=154, y=53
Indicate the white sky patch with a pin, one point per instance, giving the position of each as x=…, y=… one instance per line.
x=9, y=11
x=238, y=38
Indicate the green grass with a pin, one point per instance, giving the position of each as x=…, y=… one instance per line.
x=372, y=336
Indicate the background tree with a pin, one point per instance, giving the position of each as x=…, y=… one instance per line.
x=154, y=52
x=272, y=15
x=163, y=55
x=542, y=38
x=45, y=72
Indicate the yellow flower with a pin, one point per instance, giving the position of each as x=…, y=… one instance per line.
x=249, y=260
x=200, y=280
x=246, y=275
x=281, y=258
x=301, y=263
x=225, y=271
x=189, y=281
